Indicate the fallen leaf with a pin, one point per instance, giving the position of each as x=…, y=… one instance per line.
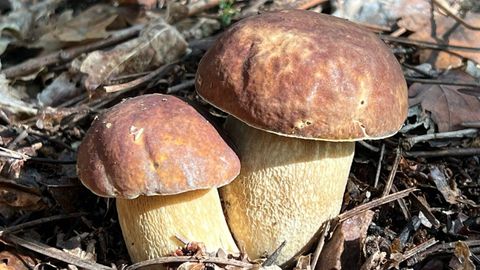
x=343, y=250
x=448, y=31
x=450, y=193
x=380, y=12
x=447, y=106
x=19, y=24
x=61, y=89
x=20, y=197
x=159, y=43
x=14, y=260
x=90, y=24
x=462, y=257
x=11, y=99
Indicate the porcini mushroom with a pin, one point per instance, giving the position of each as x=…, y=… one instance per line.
x=300, y=88
x=163, y=162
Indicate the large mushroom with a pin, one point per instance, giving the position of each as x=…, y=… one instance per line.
x=163, y=162
x=300, y=88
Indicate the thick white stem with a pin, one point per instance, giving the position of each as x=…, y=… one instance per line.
x=150, y=224
x=286, y=189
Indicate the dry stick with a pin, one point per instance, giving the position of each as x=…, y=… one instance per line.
x=38, y=222
x=53, y=252
x=61, y=56
x=412, y=252
x=474, y=124
x=141, y=81
x=441, y=247
x=454, y=16
x=369, y=146
x=273, y=257
x=202, y=5
x=180, y=86
x=182, y=259
x=321, y=242
x=425, y=208
x=372, y=204
x=310, y=3
x=403, y=205
x=428, y=45
x=393, y=172
x=379, y=166
x=445, y=153
x=410, y=142
x=434, y=81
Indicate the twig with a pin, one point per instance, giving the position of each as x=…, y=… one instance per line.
x=375, y=203
x=310, y=3
x=426, y=44
x=454, y=16
x=410, y=142
x=202, y=5
x=425, y=208
x=369, y=146
x=273, y=257
x=471, y=124
x=379, y=166
x=159, y=72
x=51, y=161
x=180, y=86
x=450, y=152
x=403, y=205
x=182, y=259
x=38, y=222
x=62, y=56
x=321, y=242
x=393, y=172
x=434, y=81
x=440, y=247
x=53, y=252
x=412, y=252
x=5, y=152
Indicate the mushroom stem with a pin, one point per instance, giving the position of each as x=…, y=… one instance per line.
x=150, y=223
x=286, y=189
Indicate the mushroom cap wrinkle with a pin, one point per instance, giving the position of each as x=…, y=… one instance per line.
x=307, y=75
x=153, y=145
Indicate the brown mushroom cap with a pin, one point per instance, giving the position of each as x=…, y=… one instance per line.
x=308, y=75
x=151, y=145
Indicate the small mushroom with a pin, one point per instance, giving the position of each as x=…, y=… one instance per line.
x=163, y=162
x=300, y=88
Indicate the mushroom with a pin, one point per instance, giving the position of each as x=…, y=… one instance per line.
x=300, y=88
x=163, y=162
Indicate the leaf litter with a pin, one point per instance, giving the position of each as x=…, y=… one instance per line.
x=66, y=55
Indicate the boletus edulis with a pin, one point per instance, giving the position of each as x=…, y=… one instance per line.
x=300, y=88
x=163, y=162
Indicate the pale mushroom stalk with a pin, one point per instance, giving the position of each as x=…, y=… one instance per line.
x=306, y=86
x=150, y=224
x=308, y=178
x=150, y=153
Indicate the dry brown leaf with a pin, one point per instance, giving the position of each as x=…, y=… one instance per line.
x=448, y=107
x=449, y=192
x=63, y=87
x=158, y=43
x=20, y=199
x=18, y=25
x=88, y=25
x=13, y=260
x=343, y=250
x=449, y=32
x=462, y=257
